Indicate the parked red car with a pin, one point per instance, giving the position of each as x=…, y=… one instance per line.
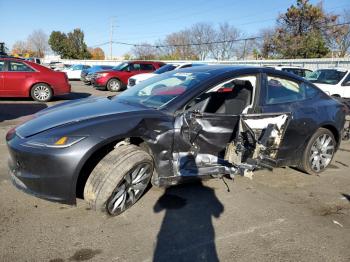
x=116, y=79
x=21, y=78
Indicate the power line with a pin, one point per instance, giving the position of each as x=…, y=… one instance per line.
x=204, y=43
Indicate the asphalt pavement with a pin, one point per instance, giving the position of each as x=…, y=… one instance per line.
x=284, y=215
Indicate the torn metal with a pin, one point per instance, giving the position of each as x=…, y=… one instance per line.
x=249, y=142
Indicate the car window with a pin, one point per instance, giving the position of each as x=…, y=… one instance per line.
x=164, y=69
x=106, y=67
x=309, y=90
x=326, y=76
x=308, y=73
x=147, y=67
x=19, y=67
x=346, y=82
x=280, y=90
x=134, y=67
x=230, y=97
x=295, y=71
x=2, y=65
x=158, y=91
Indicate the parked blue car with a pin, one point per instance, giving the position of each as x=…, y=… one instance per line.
x=87, y=73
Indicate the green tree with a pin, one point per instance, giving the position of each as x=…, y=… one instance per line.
x=69, y=46
x=302, y=32
x=57, y=42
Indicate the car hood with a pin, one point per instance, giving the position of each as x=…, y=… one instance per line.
x=141, y=77
x=76, y=111
x=106, y=71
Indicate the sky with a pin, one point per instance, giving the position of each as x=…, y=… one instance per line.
x=138, y=21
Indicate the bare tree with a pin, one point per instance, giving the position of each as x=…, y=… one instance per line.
x=20, y=48
x=341, y=35
x=226, y=36
x=201, y=35
x=144, y=51
x=266, y=44
x=178, y=46
x=38, y=42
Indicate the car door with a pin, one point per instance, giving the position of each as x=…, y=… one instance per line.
x=345, y=86
x=17, y=77
x=285, y=94
x=129, y=71
x=76, y=72
x=146, y=68
x=2, y=67
x=209, y=140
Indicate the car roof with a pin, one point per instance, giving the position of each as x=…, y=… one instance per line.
x=335, y=68
x=217, y=70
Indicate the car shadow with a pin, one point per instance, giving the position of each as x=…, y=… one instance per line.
x=71, y=96
x=10, y=111
x=187, y=232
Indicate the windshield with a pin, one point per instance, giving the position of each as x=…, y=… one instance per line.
x=164, y=69
x=326, y=76
x=158, y=91
x=76, y=67
x=120, y=67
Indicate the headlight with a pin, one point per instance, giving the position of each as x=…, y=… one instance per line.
x=100, y=75
x=55, y=142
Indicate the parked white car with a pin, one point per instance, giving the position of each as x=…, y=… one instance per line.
x=299, y=71
x=333, y=81
x=74, y=71
x=168, y=67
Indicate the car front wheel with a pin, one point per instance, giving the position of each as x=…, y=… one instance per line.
x=114, y=85
x=319, y=152
x=119, y=180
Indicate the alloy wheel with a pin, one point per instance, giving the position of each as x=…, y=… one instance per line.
x=114, y=85
x=322, y=152
x=41, y=92
x=129, y=189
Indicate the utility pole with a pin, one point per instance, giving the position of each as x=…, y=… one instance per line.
x=111, y=36
x=245, y=48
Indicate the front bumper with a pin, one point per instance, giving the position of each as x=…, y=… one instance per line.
x=47, y=173
x=99, y=83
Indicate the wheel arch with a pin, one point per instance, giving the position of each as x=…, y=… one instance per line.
x=334, y=131
x=94, y=157
x=41, y=82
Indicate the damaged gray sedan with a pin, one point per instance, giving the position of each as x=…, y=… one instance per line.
x=194, y=123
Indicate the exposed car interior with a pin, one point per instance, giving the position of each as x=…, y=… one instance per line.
x=232, y=97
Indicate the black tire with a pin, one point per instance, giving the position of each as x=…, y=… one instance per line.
x=314, y=153
x=41, y=92
x=114, y=85
x=110, y=176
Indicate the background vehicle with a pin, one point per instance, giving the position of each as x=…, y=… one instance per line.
x=116, y=79
x=54, y=64
x=61, y=67
x=165, y=130
x=299, y=71
x=21, y=78
x=86, y=74
x=34, y=60
x=333, y=81
x=168, y=67
x=74, y=71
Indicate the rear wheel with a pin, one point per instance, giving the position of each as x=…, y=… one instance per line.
x=114, y=85
x=319, y=152
x=119, y=180
x=41, y=92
